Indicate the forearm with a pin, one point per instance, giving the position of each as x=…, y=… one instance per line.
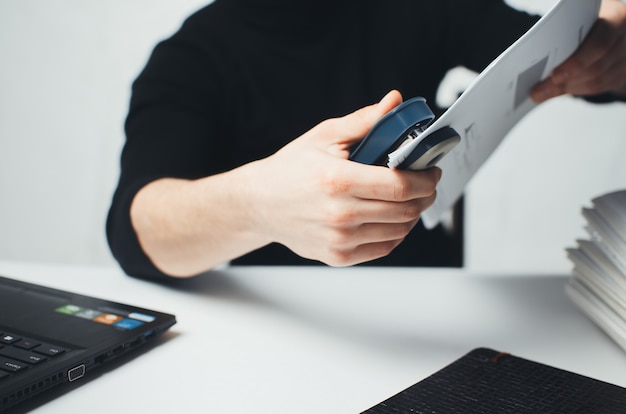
x=187, y=227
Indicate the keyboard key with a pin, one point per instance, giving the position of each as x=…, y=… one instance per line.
x=27, y=344
x=9, y=339
x=22, y=355
x=49, y=350
x=11, y=365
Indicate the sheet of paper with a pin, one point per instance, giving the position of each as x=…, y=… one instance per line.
x=499, y=97
x=612, y=208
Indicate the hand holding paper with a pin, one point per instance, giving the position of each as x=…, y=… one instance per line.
x=598, y=64
x=500, y=96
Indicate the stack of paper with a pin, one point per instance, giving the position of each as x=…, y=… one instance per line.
x=598, y=283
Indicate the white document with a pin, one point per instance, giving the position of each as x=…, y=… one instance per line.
x=499, y=97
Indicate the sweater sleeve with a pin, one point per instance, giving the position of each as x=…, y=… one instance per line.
x=167, y=134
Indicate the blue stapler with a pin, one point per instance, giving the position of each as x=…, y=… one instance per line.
x=400, y=126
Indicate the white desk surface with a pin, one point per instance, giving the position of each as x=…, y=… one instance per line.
x=321, y=340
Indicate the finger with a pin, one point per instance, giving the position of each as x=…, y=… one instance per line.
x=353, y=127
x=360, y=212
x=576, y=69
x=361, y=254
x=601, y=46
x=379, y=233
x=603, y=76
x=388, y=212
x=594, y=48
x=572, y=78
x=382, y=183
x=589, y=83
x=545, y=90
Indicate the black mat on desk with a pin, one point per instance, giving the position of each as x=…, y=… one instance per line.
x=487, y=381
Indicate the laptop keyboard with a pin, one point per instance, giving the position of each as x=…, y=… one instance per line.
x=17, y=354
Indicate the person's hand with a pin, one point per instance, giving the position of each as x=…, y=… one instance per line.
x=599, y=64
x=310, y=198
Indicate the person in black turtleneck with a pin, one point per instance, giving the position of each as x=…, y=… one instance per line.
x=239, y=128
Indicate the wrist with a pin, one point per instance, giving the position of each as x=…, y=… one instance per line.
x=239, y=198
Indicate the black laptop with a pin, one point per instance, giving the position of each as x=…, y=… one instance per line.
x=50, y=337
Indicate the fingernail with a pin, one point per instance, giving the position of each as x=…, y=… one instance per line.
x=385, y=98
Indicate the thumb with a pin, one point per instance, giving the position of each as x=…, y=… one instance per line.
x=351, y=128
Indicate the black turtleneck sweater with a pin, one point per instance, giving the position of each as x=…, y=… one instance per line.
x=242, y=78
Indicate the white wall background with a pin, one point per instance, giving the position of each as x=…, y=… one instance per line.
x=65, y=73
